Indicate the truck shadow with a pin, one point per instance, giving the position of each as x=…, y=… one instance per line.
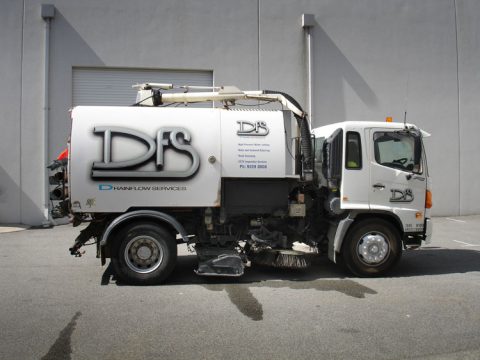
x=184, y=274
x=437, y=261
x=422, y=262
x=321, y=276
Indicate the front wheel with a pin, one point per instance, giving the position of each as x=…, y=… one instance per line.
x=372, y=247
x=144, y=254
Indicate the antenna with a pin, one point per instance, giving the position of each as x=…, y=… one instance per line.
x=406, y=103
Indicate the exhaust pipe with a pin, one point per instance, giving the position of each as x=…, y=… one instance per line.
x=57, y=178
x=59, y=193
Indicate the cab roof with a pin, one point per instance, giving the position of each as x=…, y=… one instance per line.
x=324, y=131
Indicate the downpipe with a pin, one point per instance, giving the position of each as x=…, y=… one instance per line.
x=47, y=15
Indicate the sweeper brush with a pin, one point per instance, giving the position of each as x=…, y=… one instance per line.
x=284, y=259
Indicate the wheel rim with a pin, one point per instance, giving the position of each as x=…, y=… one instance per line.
x=143, y=254
x=373, y=248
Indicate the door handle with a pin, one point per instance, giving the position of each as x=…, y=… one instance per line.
x=415, y=177
x=379, y=186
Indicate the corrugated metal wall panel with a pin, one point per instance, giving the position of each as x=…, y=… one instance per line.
x=107, y=86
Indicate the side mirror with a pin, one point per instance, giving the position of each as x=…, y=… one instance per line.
x=418, y=148
x=417, y=155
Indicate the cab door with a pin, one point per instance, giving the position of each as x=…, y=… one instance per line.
x=397, y=179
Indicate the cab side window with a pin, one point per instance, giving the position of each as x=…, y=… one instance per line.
x=353, y=156
x=395, y=150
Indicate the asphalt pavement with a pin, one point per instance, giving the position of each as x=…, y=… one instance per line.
x=55, y=306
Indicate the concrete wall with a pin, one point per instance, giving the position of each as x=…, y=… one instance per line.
x=468, y=19
x=372, y=59
x=11, y=18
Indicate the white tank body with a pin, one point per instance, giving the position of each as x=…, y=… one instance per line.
x=124, y=157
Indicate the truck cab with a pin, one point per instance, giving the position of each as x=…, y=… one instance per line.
x=375, y=173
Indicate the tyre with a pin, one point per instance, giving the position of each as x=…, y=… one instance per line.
x=144, y=254
x=371, y=248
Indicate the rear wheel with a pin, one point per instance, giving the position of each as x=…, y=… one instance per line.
x=144, y=253
x=372, y=247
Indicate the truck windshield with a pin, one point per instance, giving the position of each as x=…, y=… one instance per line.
x=396, y=150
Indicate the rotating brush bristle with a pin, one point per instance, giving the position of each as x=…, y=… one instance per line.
x=284, y=259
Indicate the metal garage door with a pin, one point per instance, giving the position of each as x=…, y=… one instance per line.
x=104, y=86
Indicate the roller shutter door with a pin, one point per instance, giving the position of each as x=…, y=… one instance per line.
x=107, y=86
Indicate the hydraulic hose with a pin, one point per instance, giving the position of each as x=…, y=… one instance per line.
x=305, y=136
x=230, y=94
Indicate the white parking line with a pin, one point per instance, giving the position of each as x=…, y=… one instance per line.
x=460, y=221
x=464, y=244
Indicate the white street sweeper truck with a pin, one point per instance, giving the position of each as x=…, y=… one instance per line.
x=239, y=186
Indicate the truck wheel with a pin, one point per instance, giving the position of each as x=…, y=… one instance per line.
x=372, y=247
x=144, y=254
